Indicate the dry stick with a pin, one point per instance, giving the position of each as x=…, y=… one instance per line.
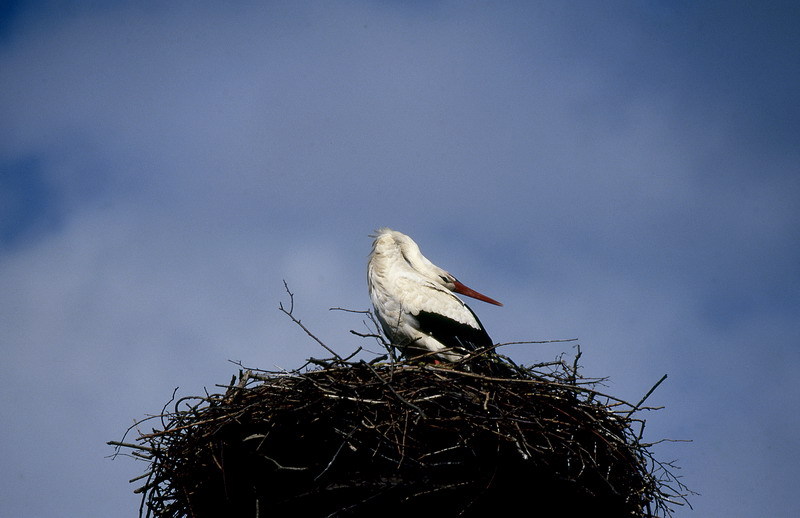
x=574, y=377
x=129, y=445
x=375, y=334
x=280, y=466
x=304, y=328
x=335, y=455
x=483, y=350
x=355, y=505
x=353, y=353
x=495, y=346
x=637, y=405
x=566, y=386
x=537, y=342
x=159, y=433
x=391, y=388
x=363, y=311
x=365, y=335
x=131, y=427
x=144, y=494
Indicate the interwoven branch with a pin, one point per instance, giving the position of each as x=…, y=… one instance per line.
x=344, y=437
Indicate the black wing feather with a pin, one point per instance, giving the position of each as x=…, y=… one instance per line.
x=452, y=333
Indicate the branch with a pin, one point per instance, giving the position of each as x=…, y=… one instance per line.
x=536, y=342
x=288, y=312
x=391, y=388
x=639, y=404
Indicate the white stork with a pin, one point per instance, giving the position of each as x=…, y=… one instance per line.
x=415, y=303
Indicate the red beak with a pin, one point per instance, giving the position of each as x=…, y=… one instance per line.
x=469, y=292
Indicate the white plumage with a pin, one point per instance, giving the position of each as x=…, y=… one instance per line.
x=415, y=303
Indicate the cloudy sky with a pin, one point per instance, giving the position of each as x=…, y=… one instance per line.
x=625, y=173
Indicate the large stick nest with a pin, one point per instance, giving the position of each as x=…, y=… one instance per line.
x=357, y=439
x=342, y=438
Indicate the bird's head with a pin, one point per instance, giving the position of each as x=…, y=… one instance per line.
x=392, y=242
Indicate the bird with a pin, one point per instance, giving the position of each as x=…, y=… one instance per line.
x=416, y=304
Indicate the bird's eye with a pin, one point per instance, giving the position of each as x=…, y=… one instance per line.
x=445, y=279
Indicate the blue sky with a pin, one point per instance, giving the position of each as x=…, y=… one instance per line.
x=626, y=173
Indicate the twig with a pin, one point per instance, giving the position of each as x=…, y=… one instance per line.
x=365, y=335
x=335, y=454
x=639, y=404
x=362, y=311
x=304, y=328
x=575, y=364
x=129, y=445
x=391, y=388
x=537, y=342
